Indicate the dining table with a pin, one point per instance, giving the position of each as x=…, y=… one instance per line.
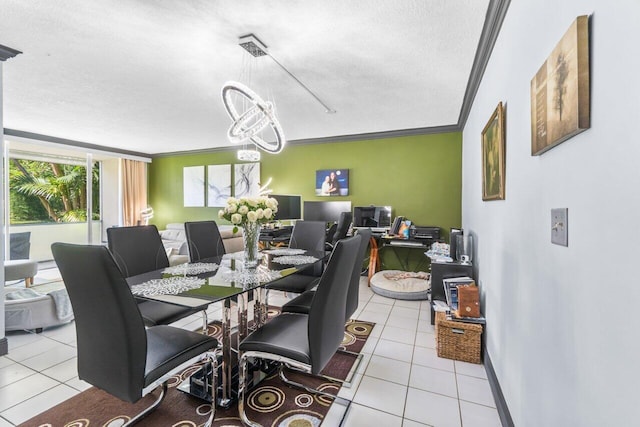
x=225, y=279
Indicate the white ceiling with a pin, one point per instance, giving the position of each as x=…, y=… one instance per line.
x=146, y=76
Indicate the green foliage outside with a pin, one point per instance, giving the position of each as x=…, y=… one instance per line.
x=50, y=192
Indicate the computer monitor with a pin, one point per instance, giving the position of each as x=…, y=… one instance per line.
x=324, y=211
x=372, y=216
x=288, y=206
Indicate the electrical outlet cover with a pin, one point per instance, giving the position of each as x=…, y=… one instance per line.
x=560, y=226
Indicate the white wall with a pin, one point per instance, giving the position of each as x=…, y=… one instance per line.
x=563, y=325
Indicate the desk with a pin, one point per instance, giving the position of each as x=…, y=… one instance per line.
x=408, y=245
x=230, y=281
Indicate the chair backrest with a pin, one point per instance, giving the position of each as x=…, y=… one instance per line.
x=137, y=249
x=343, y=226
x=309, y=235
x=326, y=314
x=112, y=343
x=354, y=284
x=203, y=239
x=19, y=245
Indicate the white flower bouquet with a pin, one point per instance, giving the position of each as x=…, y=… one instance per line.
x=249, y=210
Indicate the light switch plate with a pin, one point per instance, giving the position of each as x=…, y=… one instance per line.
x=560, y=226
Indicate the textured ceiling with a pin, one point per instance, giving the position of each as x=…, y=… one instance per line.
x=146, y=76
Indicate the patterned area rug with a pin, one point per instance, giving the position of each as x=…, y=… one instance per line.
x=271, y=403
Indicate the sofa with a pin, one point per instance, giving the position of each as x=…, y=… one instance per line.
x=174, y=240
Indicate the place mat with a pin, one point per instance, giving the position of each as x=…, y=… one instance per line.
x=247, y=277
x=168, y=286
x=284, y=251
x=192, y=268
x=295, y=259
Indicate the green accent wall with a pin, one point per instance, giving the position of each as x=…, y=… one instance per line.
x=419, y=176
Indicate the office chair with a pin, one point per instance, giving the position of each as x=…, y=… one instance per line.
x=116, y=353
x=138, y=250
x=305, y=342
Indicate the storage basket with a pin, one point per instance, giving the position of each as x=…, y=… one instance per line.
x=459, y=340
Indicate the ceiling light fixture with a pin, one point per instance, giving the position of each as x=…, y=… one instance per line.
x=249, y=155
x=255, y=47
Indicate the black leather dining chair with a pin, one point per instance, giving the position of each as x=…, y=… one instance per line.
x=302, y=303
x=203, y=240
x=138, y=250
x=305, y=342
x=116, y=353
x=308, y=235
x=342, y=228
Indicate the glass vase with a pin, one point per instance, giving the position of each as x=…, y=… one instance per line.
x=250, y=240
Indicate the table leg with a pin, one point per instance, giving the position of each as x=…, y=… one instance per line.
x=226, y=380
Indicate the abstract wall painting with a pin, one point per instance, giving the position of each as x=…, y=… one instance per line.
x=193, y=186
x=218, y=185
x=247, y=179
x=560, y=91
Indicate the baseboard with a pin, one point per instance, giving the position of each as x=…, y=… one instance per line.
x=501, y=404
x=4, y=346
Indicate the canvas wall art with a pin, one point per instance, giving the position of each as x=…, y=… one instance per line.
x=218, y=184
x=193, y=186
x=332, y=182
x=560, y=91
x=246, y=179
x=493, y=156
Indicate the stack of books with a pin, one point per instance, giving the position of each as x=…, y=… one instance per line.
x=451, y=289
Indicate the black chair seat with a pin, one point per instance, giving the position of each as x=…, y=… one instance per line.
x=162, y=313
x=168, y=348
x=300, y=304
x=285, y=335
x=296, y=283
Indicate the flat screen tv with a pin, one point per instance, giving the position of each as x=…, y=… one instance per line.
x=288, y=206
x=372, y=216
x=332, y=182
x=324, y=211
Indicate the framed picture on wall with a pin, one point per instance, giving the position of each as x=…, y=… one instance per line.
x=193, y=186
x=560, y=91
x=246, y=180
x=493, y=156
x=332, y=182
x=218, y=184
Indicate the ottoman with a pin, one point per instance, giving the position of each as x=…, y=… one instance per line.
x=18, y=269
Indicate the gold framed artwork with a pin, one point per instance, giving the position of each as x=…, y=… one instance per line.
x=493, y=156
x=560, y=91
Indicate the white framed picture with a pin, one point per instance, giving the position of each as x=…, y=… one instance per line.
x=218, y=185
x=193, y=186
x=247, y=179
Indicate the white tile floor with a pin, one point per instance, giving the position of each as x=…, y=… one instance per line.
x=401, y=380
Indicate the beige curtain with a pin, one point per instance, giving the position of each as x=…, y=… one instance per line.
x=134, y=193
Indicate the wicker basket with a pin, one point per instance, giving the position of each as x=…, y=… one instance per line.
x=458, y=340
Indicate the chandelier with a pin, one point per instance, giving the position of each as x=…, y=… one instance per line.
x=252, y=115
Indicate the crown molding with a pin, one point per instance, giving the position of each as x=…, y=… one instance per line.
x=7, y=52
x=75, y=144
x=496, y=12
